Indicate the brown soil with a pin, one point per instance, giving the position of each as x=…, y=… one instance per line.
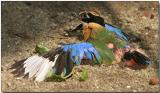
x=24, y=24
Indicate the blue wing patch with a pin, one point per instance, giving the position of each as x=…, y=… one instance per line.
x=80, y=50
x=117, y=31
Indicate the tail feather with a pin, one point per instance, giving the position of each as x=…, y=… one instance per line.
x=139, y=57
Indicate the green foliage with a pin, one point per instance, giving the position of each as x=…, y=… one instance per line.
x=57, y=78
x=83, y=75
x=41, y=49
x=54, y=78
x=50, y=73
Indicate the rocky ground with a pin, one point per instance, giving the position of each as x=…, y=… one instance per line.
x=24, y=24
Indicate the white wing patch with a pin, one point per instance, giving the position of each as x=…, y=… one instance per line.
x=38, y=67
x=43, y=71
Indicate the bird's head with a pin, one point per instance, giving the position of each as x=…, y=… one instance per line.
x=86, y=16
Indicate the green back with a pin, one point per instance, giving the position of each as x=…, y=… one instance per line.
x=100, y=41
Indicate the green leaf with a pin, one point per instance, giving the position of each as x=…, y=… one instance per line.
x=50, y=73
x=83, y=75
x=41, y=49
x=55, y=78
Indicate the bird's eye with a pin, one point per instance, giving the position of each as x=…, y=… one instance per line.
x=85, y=16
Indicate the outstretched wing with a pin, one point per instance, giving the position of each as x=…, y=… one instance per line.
x=60, y=61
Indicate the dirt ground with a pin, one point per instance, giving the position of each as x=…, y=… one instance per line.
x=24, y=24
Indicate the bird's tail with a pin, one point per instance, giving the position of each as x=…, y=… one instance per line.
x=138, y=57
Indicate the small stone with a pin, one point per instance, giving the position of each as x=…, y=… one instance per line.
x=128, y=86
x=2, y=69
x=59, y=45
x=66, y=34
x=156, y=36
x=146, y=14
x=152, y=16
x=8, y=46
x=72, y=27
x=154, y=81
x=147, y=28
x=18, y=78
x=146, y=33
x=134, y=90
x=23, y=83
x=129, y=20
x=143, y=17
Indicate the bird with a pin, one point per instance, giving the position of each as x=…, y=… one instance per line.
x=93, y=18
x=99, y=45
x=62, y=60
